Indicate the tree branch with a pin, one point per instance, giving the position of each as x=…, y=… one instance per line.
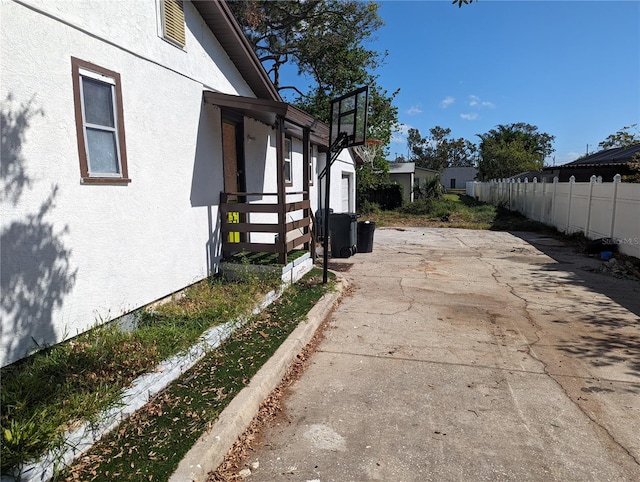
x=291, y=87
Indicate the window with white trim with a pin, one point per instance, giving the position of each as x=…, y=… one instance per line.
x=99, y=123
x=288, y=177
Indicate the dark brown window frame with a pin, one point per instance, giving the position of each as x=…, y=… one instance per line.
x=76, y=65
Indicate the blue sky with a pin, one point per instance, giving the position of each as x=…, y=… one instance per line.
x=572, y=68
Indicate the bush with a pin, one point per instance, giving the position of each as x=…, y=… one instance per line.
x=429, y=189
x=419, y=207
x=387, y=196
x=370, y=208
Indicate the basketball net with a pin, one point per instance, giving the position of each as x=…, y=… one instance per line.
x=368, y=151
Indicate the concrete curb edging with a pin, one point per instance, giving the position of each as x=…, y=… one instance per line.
x=210, y=449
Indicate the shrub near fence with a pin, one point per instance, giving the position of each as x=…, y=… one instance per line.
x=597, y=209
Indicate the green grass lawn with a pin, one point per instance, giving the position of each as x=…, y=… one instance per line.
x=454, y=211
x=71, y=382
x=150, y=444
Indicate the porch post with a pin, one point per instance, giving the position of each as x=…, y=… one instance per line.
x=282, y=195
x=306, y=173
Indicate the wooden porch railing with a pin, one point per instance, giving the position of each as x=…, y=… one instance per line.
x=236, y=209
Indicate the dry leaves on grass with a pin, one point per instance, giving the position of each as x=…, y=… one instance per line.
x=271, y=407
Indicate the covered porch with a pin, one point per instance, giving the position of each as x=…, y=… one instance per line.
x=276, y=220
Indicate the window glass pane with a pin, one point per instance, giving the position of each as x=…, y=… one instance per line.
x=287, y=160
x=98, y=102
x=287, y=171
x=101, y=147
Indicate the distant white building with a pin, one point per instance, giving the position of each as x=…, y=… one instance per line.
x=408, y=175
x=457, y=177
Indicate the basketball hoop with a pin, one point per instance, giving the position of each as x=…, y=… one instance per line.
x=368, y=151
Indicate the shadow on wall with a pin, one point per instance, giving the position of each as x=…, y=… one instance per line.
x=35, y=271
x=207, y=180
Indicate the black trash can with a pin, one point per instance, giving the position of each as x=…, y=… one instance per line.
x=365, y=236
x=343, y=229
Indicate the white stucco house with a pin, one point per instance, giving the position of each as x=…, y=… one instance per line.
x=140, y=141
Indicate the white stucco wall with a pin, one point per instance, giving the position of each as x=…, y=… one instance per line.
x=344, y=165
x=462, y=175
x=406, y=180
x=261, y=165
x=73, y=254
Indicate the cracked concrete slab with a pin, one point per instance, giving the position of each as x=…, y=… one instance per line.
x=467, y=355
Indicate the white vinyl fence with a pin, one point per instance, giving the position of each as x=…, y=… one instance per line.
x=597, y=209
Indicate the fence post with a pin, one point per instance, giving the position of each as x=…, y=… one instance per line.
x=535, y=193
x=616, y=180
x=572, y=180
x=592, y=180
x=553, y=201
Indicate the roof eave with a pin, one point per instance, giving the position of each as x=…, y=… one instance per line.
x=220, y=20
x=267, y=112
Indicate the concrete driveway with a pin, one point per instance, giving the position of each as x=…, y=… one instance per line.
x=466, y=355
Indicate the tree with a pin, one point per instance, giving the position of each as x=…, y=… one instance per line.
x=622, y=138
x=324, y=39
x=460, y=2
x=625, y=138
x=440, y=151
x=510, y=149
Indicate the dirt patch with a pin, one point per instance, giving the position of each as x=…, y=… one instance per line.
x=340, y=267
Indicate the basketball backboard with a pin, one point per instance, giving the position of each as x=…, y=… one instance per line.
x=349, y=118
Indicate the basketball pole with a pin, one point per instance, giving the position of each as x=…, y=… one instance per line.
x=346, y=113
x=334, y=151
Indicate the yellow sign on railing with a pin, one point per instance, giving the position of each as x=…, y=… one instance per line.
x=233, y=218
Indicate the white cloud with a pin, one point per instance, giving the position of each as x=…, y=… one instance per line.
x=399, y=136
x=447, y=101
x=414, y=109
x=402, y=129
x=470, y=116
x=474, y=101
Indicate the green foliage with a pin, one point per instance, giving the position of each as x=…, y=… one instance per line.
x=420, y=207
x=429, y=189
x=41, y=396
x=323, y=38
x=326, y=40
x=623, y=138
x=511, y=149
x=150, y=444
x=368, y=207
x=438, y=151
x=456, y=211
x=386, y=195
x=634, y=168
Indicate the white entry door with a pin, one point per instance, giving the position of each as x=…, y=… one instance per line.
x=345, y=193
